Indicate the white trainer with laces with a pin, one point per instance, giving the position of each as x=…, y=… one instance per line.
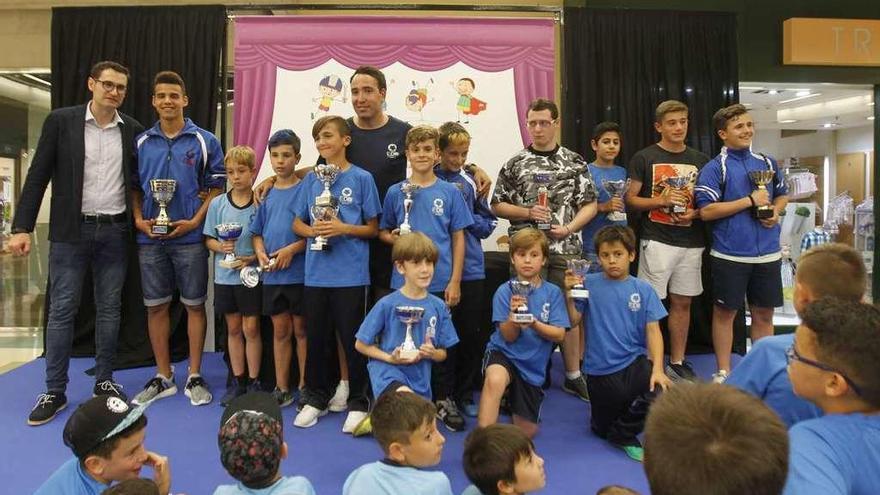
x=353, y=419
x=308, y=417
x=339, y=402
x=720, y=376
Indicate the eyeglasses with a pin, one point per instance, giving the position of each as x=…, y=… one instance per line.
x=791, y=354
x=540, y=123
x=110, y=86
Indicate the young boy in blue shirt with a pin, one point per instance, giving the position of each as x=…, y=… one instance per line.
x=337, y=276
x=517, y=353
x=829, y=270
x=438, y=211
x=833, y=364
x=501, y=459
x=622, y=321
x=382, y=333
x=606, y=144
x=240, y=305
x=274, y=239
x=404, y=424
x=462, y=365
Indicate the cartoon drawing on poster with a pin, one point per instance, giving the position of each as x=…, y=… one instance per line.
x=467, y=105
x=664, y=177
x=417, y=98
x=330, y=87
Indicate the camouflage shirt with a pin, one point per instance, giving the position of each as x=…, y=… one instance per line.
x=570, y=188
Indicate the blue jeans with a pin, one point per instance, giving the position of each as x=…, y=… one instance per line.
x=101, y=248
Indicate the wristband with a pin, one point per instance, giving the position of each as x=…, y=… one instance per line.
x=753, y=201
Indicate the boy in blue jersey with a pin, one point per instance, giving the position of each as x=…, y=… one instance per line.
x=829, y=270
x=382, y=332
x=337, y=276
x=745, y=254
x=438, y=210
x=517, y=353
x=462, y=366
x=624, y=360
x=176, y=149
x=833, y=364
x=106, y=436
x=252, y=446
x=501, y=459
x=240, y=305
x=405, y=427
x=606, y=143
x=274, y=239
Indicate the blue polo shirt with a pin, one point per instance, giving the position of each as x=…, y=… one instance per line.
x=274, y=221
x=384, y=478
x=223, y=210
x=294, y=485
x=601, y=219
x=381, y=327
x=70, y=479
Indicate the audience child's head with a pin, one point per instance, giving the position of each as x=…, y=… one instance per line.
x=671, y=121
x=616, y=490
x=734, y=126
x=404, y=424
x=501, y=459
x=284, y=148
x=137, y=486
x=529, y=250
x=833, y=361
x=169, y=95
x=707, y=438
x=455, y=142
x=829, y=270
x=606, y=142
x=107, y=436
x=414, y=256
x=616, y=247
x=332, y=136
x=422, y=149
x=251, y=439
x=240, y=162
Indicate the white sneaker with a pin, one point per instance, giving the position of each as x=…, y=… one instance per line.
x=720, y=376
x=339, y=402
x=353, y=419
x=308, y=417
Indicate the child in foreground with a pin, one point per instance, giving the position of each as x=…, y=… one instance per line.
x=501, y=460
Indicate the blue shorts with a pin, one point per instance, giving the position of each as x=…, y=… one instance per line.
x=733, y=282
x=165, y=267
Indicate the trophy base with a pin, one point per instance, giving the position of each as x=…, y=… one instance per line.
x=230, y=265
x=579, y=293
x=617, y=216
x=160, y=229
x=762, y=213
x=679, y=210
x=319, y=246
x=543, y=226
x=405, y=230
x=408, y=354
x=523, y=318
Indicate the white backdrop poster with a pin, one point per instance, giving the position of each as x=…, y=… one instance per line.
x=483, y=102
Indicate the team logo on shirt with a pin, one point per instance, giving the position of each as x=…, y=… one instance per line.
x=431, y=331
x=635, y=302
x=190, y=158
x=346, y=198
x=392, y=151
x=545, y=312
x=438, y=207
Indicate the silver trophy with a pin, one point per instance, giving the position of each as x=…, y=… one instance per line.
x=409, y=316
x=579, y=268
x=761, y=178
x=229, y=232
x=616, y=189
x=408, y=189
x=680, y=184
x=543, y=178
x=250, y=275
x=521, y=288
x=163, y=191
x=323, y=213
x=327, y=173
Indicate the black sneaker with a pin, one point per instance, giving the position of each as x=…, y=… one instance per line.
x=283, y=397
x=47, y=407
x=109, y=387
x=236, y=389
x=255, y=385
x=447, y=413
x=577, y=388
x=681, y=372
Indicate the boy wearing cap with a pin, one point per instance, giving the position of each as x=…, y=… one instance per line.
x=252, y=445
x=107, y=437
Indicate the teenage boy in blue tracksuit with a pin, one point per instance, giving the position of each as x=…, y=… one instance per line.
x=745, y=254
x=461, y=370
x=175, y=148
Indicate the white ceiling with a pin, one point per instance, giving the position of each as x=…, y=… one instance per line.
x=811, y=106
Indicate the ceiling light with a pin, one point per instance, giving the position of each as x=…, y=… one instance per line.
x=871, y=104
x=802, y=93
x=871, y=117
x=799, y=98
x=827, y=125
x=772, y=92
x=787, y=121
x=752, y=88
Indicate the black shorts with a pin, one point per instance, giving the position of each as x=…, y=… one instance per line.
x=733, y=281
x=279, y=299
x=393, y=386
x=525, y=399
x=237, y=299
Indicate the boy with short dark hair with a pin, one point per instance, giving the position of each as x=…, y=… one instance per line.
x=605, y=142
x=137, y=486
x=624, y=361
x=437, y=210
x=240, y=305
x=252, y=446
x=404, y=424
x=706, y=438
x=501, y=460
x=833, y=364
x=829, y=270
x=106, y=436
x=616, y=490
x=517, y=353
x=274, y=239
x=382, y=334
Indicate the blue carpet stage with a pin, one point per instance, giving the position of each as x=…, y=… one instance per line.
x=576, y=461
